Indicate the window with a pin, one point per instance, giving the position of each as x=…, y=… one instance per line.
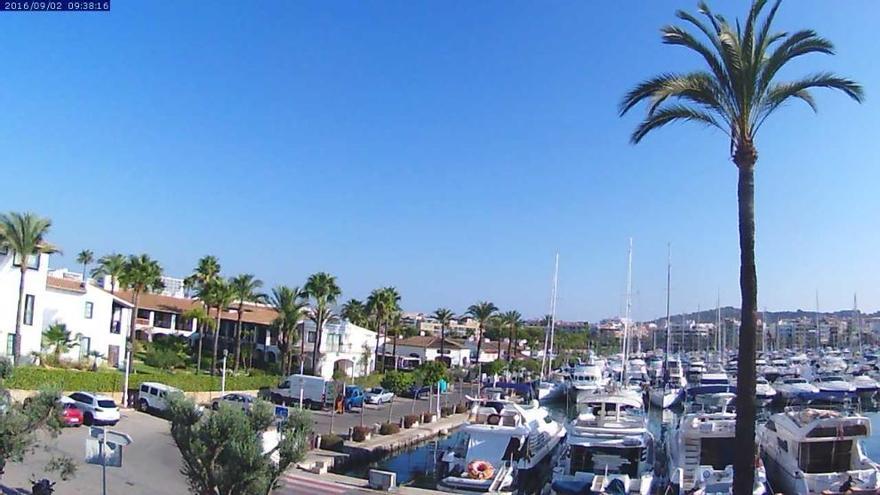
x=33, y=261
x=10, y=342
x=312, y=337
x=85, y=346
x=145, y=389
x=783, y=445
x=154, y=391
x=90, y=309
x=826, y=457
x=28, y=310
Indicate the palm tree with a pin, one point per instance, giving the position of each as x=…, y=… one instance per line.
x=207, y=270
x=323, y=289
x=482, y=312
x=57, y=337
x=246, y=288
x=204, y=321
x=85, y=258
x=140, y=274
x=395, y=330
x=737, y=93
x=25, y=235
x=382, y=304
x=221, y=295
x=444, y=317
x=355, y=311
x=512, y=319
x=110, y=265
x=289, y=303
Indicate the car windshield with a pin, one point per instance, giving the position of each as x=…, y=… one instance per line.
x=106, y=403
x=376, y=391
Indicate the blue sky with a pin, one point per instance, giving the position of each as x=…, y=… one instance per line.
x=446, y=148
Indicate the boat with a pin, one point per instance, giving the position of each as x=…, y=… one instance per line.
x=794, y=389
x=701, y=450
x=586, y=380
x=669, y=390
x=815, y=451
x=833, y=388
x=502, y=448
x=609, y=449
x=764, y=392
x=553, y=388
x=865, y=385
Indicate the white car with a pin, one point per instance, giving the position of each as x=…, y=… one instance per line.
x=243, y=401
x=97, y=409
x=153, y=396
x=378, y=395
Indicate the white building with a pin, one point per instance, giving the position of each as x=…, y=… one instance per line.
x=94, y=317
x=427, y=348
x=345, y=347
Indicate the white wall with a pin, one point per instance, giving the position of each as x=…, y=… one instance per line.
x=352, y=341
x=35, y=284
x=456, y=356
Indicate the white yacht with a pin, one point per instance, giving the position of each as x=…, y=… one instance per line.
x=502, y=447
x=668, y=389
x=763, y=391
x=864, y=384
x=834, y=383
x=701, y=451
x=794, y=388
x=815, y=451
x=586, y=380
x=609, y=449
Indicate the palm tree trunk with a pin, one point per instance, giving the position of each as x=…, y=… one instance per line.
x=238, y=340
x=744, y=458
x=378, y=338
x=319, y=326
x=510, y=343
x=393, y=353
x=302, y=345
x=479, y=348
x=19, y=314
x=202, y=327
x=442, y=338
x=216, y=342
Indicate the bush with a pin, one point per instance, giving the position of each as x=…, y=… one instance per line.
x=495, y=367
x=5, y=368
x=432, y=372
x=389, y=429
x=34, y=378
x=339, y=375
x=164, y=359
x=398, y=382
x=461, y=408
x=410, y=419
x=331, y=442
x=370, y=381
x=446, y=411
x=427, y=417
x=359, y=434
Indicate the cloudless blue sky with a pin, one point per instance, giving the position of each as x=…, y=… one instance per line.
x=446, y=148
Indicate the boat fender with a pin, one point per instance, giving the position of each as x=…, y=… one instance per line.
x=480, y=470
x=493, y=419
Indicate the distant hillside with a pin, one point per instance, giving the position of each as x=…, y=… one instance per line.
x=772, y=316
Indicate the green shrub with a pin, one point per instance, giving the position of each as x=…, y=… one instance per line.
x=398, y=382
x=389, y=429
x=446, y=411
x=331, y=442
x=461, y=408
x=495, y=367
x=33, y=378
x=5, y=368
x=410, y=419
x=164, y=359
x=359, y=433
x=370, y=381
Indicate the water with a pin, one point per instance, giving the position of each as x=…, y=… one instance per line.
x=417, y=466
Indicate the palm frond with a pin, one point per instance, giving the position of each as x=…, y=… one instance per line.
x=671, y=114
x=779, y=93
x=697, y=87
x=674, y=35
x=644, y=90
x=795, y=45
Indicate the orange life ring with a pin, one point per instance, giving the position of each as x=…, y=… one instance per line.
x=480, y=470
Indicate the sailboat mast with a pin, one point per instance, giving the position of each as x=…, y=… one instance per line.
x=550, y=324
x=553, y=309
x=629, y=261
x=857, y=320
x=718, y=322
x=668, y=295
x=817, y=320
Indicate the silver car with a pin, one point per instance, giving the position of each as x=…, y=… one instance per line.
x=242, y=401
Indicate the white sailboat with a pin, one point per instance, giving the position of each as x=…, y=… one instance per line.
x=668, y=389
x=551, y=386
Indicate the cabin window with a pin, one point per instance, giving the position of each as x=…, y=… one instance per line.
x=826, y=457
x=858, y=430
x=717, y=452
x=770, y=426
x=597, y=459
x=782, y=444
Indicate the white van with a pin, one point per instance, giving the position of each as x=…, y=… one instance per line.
x=153, y=396
x=316, y=391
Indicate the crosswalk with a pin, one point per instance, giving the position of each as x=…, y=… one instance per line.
x=290, y=484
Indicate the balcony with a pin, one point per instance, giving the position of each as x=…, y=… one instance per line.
x=337, y=348
x=116, y=327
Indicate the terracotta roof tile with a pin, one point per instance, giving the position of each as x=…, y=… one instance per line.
x=428, y=341
x=261, y=315
x=64, y=284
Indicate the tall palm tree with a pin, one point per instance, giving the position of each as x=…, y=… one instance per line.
x=736, y=95
x=200, y=315
x=140, y=274
x=395, y=331
x=221, y=293
x=110, y=265
x=246, y=288
x=290, y=304
x=85, y=258
x=483, y=311
x=322, y=288
x=512, y=320
x=354, y=311
x=444, y=317
x=207, y=270
x=25, y=235
x=383, y=303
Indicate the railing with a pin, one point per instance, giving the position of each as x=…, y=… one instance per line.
x=338, y=348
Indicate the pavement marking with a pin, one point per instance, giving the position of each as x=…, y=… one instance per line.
x=292, y=484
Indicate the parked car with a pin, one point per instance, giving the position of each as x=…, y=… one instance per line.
x=379, y=395
x=418, y=391
x=316, y=391
x=354, y=397
x=153, y=396
x=243, y=401
x=97, y=409
x=70, y=414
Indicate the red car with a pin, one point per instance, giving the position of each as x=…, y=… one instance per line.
x=70, y=414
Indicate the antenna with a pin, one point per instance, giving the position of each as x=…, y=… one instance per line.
x=668, y=294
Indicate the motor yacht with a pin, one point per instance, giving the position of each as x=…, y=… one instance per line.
x=586, y=380
x=795, y=389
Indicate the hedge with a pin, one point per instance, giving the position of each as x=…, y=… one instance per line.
x=33, y=378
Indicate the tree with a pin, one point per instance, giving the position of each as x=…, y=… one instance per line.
x=200, y=315
x=482, y=312
x=57, y=337
x=323, y=289
x=736, y=95
x=25, y=235
x=398, y=382
x=85, y=258
x=496, y=367
x=444, y=317
x=223, y=452
x=21, y=425
x=289, y=303
x=382, y=304
x=110, y=265
x=246, y=288
x=207, y=271
x=355, y=312
x=512, y=320
x=221, y=294
x=432, y=372
x=140, y=274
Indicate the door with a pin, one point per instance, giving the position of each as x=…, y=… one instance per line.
x=113, y=355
